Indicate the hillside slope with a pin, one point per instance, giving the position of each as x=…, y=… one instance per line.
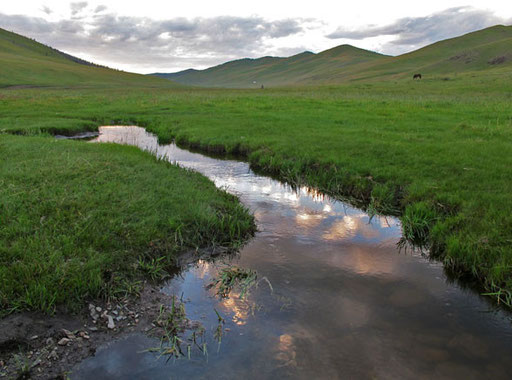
x=305, y=67
x=25, y=62
x=487, y=49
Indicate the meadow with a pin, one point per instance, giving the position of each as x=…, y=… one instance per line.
x=437, y=152
x=85, y=221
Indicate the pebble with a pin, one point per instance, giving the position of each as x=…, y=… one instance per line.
x=63, y=341
x=92, y=328
x=98, y=309
x=110, y=324
x=53, y=355
x=68, y=334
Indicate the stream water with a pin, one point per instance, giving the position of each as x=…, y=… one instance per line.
x=345, y=302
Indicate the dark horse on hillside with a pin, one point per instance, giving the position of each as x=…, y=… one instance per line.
x=416, y=76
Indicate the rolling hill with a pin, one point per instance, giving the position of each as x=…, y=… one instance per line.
x=25, y=62
x=305, y=67
x=487, y=49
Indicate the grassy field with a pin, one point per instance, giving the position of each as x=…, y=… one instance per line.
x=438, y=152
x=85, y=221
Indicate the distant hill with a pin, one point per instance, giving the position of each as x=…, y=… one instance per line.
x=247, y=72
x=487, y=49
x=25, y=62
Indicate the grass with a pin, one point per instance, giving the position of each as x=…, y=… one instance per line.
x=232, y=277
x=81, y=221
x=436, y=152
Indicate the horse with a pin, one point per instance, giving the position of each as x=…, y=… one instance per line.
x=416, y=76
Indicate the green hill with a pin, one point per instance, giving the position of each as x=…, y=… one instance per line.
x=305, y=67
x=487, y=49
x=25, y=62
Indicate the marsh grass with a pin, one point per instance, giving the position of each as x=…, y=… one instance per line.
x=233, y=277
x=81, y=221
x=443, y=146
x=181, y=337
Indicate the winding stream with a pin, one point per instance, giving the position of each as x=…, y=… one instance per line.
x=345, y=302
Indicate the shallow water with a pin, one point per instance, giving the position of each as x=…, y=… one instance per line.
x=345, y=302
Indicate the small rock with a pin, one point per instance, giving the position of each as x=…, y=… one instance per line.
x=110, y=324
x=63, y=342
x=136, y=321
x=68, y=334
x=98, y=309
x=34, y=337
x=53, y=355
x=92, y=328
x=49, y=342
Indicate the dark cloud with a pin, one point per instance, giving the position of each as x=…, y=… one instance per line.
x=46, y=10
x=176, y=42
x=77, y=7
x=413, y=32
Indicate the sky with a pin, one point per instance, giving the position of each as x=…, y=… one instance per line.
x=167, y=36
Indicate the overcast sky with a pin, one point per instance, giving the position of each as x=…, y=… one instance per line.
x=149, y=36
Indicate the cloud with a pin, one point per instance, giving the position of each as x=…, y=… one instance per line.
x=175, y=42
x=46, y=10
x=77, y=7
x=413, y=32
x=100, y=8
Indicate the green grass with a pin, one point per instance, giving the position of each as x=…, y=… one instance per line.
x=79, y=217
x=437, y=152
x=81, y=221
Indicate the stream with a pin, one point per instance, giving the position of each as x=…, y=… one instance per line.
x=343, y=301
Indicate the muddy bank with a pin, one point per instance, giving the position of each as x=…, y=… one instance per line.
x=35, y=345
x=47, y=347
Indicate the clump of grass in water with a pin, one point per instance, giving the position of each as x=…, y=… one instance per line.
x=501, y=295
x=232, y=277
x=220, y=328
x=174, y=323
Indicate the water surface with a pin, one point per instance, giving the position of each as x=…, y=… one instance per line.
x=345, y=302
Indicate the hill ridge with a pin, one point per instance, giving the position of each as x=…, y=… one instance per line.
x=26, y=62
x=488, y=48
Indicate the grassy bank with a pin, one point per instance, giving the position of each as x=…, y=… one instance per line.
x=438, y=152
x=81, y=221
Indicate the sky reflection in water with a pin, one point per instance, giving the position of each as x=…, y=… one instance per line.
x=345, y=302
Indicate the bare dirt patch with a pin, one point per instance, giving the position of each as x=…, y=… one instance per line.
x=34, y=345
